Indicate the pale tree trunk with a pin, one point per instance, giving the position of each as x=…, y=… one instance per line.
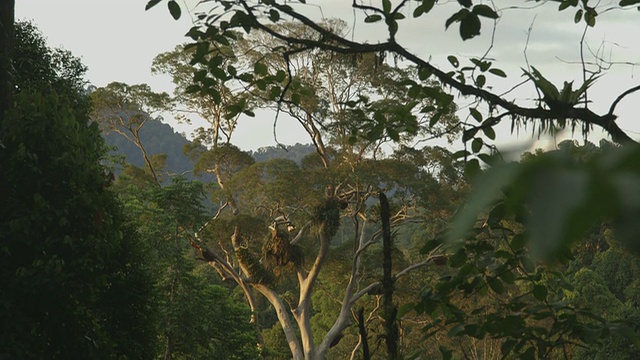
x=146, y=158
x=344, y=318
x=285, y=321
x=302, y=313
x=390, y=311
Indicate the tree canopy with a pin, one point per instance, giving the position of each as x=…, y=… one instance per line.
x=70, y=263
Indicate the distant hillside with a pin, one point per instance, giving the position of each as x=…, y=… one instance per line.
x=159, y=138
x=292, y=152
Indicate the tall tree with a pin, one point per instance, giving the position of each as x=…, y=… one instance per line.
x=125, y=109
x=74, y=280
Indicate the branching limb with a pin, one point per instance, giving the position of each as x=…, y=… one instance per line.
x=335, y=43
x=284, y=318
x=612, y=109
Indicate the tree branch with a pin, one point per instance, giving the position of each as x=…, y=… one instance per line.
x=335, y=43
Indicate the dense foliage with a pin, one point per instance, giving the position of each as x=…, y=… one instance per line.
x=73, y=277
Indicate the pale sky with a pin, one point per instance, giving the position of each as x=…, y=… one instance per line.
x=117, y=40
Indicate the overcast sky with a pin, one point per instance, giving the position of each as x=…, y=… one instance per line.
x=117, y=40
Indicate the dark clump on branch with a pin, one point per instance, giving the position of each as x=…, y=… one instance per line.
x=278, y=251
x=327, y=216
x=253, y=267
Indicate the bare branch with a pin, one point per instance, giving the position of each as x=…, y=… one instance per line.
x=622, y=96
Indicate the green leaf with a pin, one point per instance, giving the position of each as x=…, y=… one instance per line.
x=446, y=353
x=578, y=16
x=472, y=168
x=174, y=9
x=481, y=80
x=151, y=4
x=470, y=26
x=508, y=277
x=419, y=10
x=260, y=68
x=528, y=264
x=518, y=242
x=474, y=330
x=507, y=346
x=430, y=245
x=215, y=94
x=495, y=285
x=491, y=183
x=386, y=6
x=274, y=15
x=476, y=145
x=590, y=17
x=460, y=154
x=540, y=292
x=563, y=5
x=428, y=5
x=232, y=70
x=424, y=8
x=549, y=219
x=465, y=3
x=485, y=10
x=372, y=18
x=424, y=74
x=295, y=98
x=498, y=72
x=469, y=134
x=628, y=2
x=453, y=60
x=530, y=353
x=496, y=214
x=486, y=158
x=476, y=114
x=434, y=119
x=456, y=17
x=458, y=259
x=456, y=331
x=404, y=309
x=199, y=75
x=489, y=132
x=192, y=89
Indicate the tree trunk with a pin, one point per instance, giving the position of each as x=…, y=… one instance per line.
x=146, y=158
x=390, y=311
x=7, y=8
x=363, y=335
x=168, y=350
x=285, y=321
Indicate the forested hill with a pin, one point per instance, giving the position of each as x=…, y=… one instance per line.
x=157, y=138
x=160, y=138
x=291, y=152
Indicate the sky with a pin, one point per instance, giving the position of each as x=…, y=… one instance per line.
x=118, y=39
